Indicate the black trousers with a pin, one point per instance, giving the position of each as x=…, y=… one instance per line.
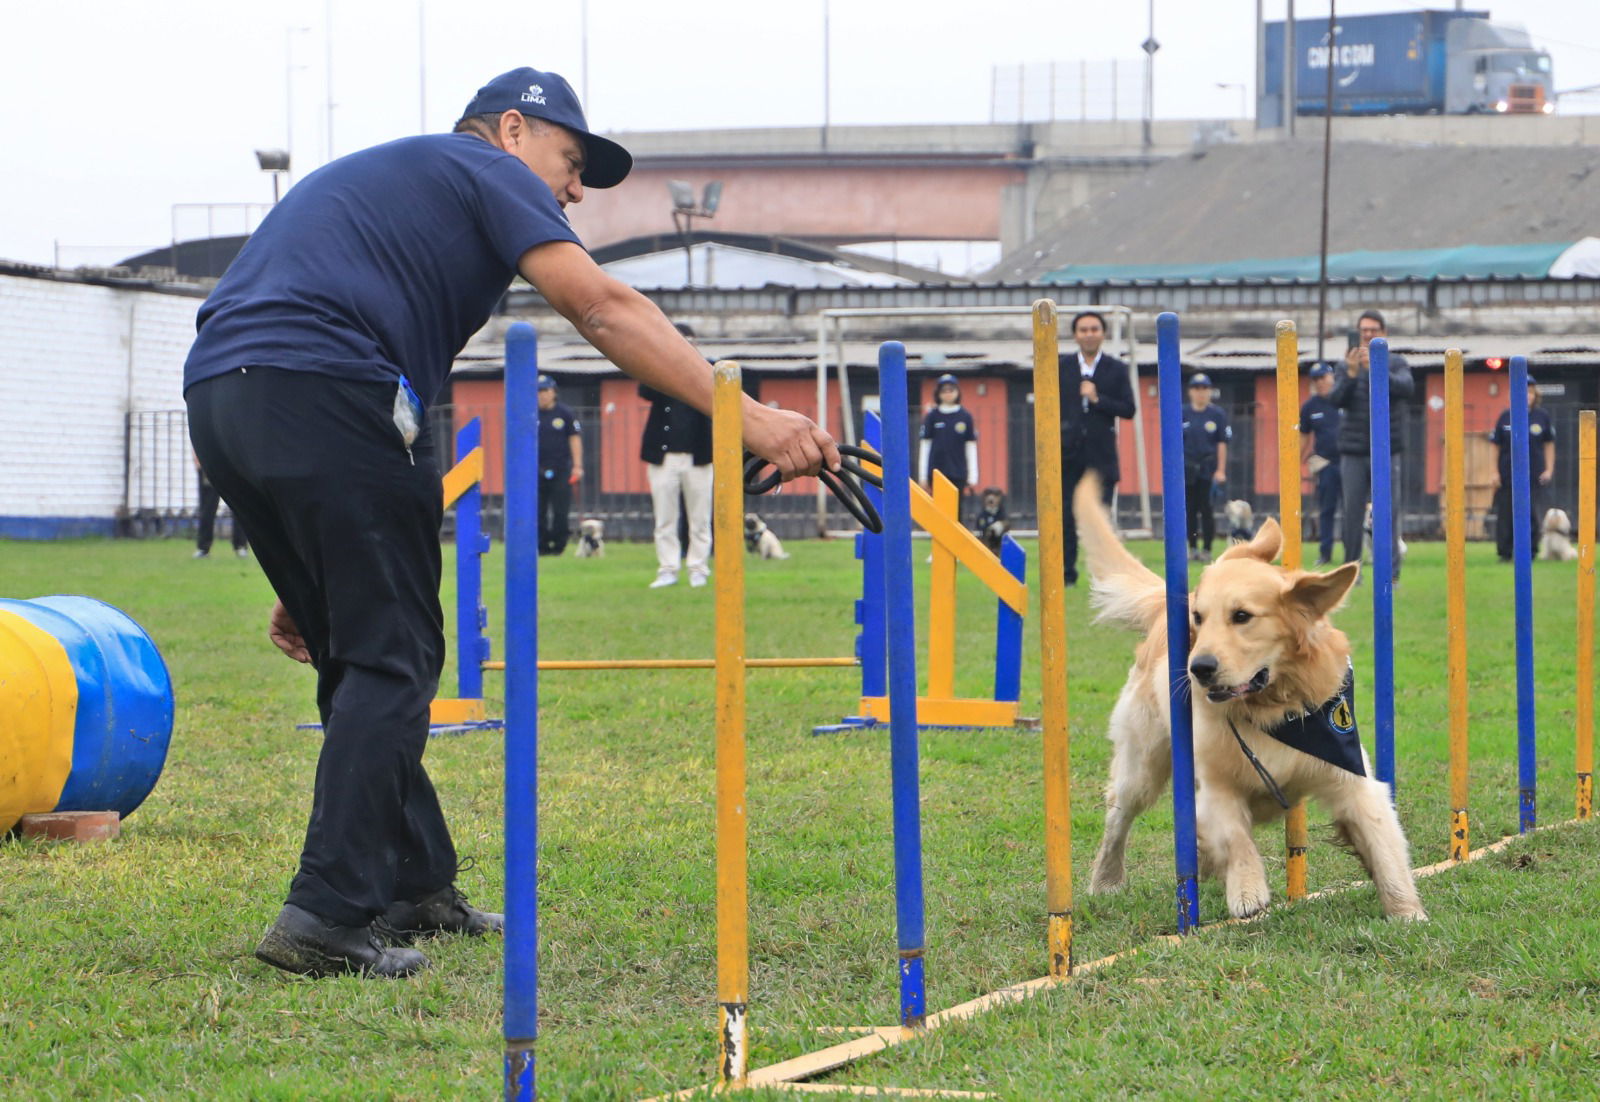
x=346, y=527
x=1329, y=491
x=1504, y=534
x=1199, y=517
x=1071, y=472
x=209, y=499
x=1355, y=474
x=555, y=503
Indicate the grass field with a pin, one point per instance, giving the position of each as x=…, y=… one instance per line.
x=126, y=968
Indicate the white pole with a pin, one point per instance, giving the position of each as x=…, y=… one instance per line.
x=822, y=414
x=327, y=29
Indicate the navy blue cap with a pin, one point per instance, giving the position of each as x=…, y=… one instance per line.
x=546, y=383
x=1319, y=370
x=947, y=379
x=1199, y=378
x=548, y=96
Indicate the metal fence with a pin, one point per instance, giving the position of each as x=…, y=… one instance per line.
x=162, y=495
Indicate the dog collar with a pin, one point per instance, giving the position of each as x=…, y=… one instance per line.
x=1328, y=732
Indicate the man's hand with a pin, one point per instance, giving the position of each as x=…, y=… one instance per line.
x=789, y=441
x=1218, y=476
x=1544, y=477
x=1086, y=389
x=285, y=635
x=1352, y=361
x=576, y=477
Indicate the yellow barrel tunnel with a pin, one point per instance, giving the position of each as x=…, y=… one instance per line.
x=86, y=708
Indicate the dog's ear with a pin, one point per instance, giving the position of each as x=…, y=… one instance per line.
x=1316, y=595
x=1265, y=546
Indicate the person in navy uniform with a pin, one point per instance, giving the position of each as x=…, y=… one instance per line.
x=209, y=500
x=1541, y=466
x=1095, y=391
x=1319, y=452
x=1206, y=433
x=315, y=359
x=949, y=440
x=676, y=450
x=560, y=467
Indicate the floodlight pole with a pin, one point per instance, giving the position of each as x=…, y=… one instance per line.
x=1327, y=158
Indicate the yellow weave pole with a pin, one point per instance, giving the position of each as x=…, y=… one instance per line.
x=1455, y=559
x=942, y=598
x=1053, y=636
x=733, y=937
x=1586, y=461
x=1294, y=823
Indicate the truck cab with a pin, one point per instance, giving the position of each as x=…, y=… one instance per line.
x=1494, y=68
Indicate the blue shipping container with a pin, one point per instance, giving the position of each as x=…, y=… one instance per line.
x=1382, y=64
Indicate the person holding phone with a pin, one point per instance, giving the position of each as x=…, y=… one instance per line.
x=1352, y=394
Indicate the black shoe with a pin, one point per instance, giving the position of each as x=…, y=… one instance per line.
x=1322, y=560
x=446, y=911
x=1071, y=580
x=301, y=942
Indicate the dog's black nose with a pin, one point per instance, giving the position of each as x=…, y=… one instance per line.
x=1204, y=667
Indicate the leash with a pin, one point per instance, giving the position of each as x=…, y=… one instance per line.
x=1272, y=785
x=845, y=486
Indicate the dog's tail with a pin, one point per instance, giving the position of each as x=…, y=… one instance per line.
x=1124, y=590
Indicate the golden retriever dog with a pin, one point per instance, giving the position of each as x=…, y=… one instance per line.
x=1262, y=657
x=1555, y=539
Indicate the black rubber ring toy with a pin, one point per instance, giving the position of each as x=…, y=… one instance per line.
x=846, y=485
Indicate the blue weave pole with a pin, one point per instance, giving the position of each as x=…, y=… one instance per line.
x=1522, y=587
x=521, y=1024
x=1186, y=852
x=1382, y=562
x=472, y=645
x=902, y=640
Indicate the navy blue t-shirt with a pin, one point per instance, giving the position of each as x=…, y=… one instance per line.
x=949, y=433
x=1203, y=430
x=1541, y=431
x=557, y=425
x=1319, y=419
x=381, y=263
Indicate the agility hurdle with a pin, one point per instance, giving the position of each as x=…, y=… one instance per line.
x=462, y=488
x=1005, y=576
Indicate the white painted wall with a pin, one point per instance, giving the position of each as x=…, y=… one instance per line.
x=75, y=359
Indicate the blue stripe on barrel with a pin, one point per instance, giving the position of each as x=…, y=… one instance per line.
x=125, y=704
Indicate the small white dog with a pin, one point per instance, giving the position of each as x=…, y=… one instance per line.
x=761, y=540
x=591, y=538
x=1555, y=543
x=1366, y=538
x=1241, y=520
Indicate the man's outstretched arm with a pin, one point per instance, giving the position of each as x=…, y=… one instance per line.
x=636, y=336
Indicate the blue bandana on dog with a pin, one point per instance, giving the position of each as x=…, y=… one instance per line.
x=1327, y=733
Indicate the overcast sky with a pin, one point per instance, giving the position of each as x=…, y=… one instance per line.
x=116, y=110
